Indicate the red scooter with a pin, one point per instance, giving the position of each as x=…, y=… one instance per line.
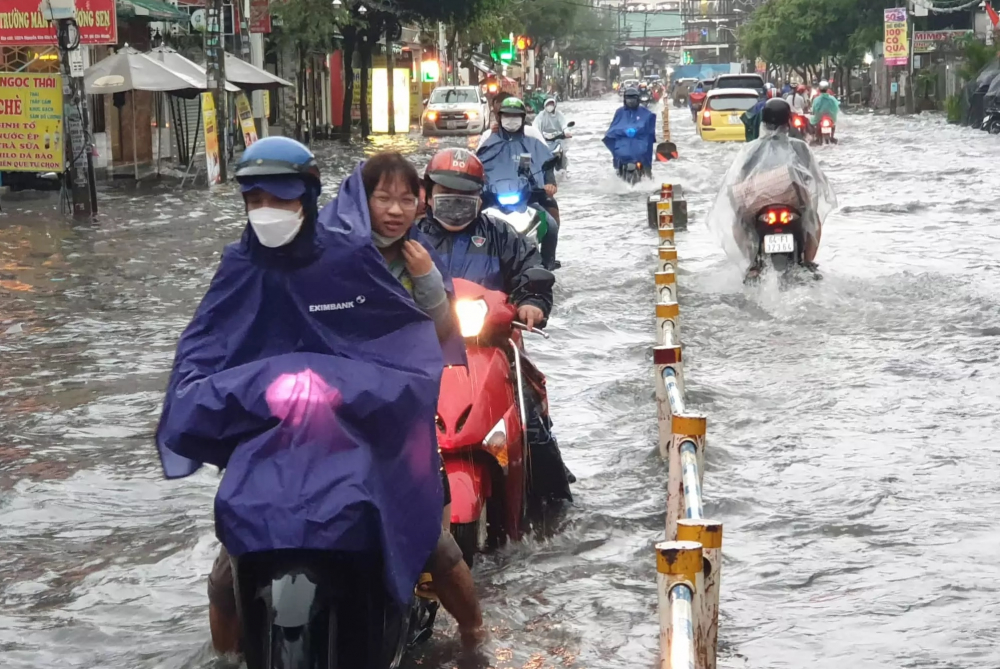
x=482, y=421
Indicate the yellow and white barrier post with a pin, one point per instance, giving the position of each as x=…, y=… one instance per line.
x=709, y=534
x=678, y=586
x=666, y=286
x=668, y=324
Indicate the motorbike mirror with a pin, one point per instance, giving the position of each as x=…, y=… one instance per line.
x=536, y=279
x=571, y=124
x=425, y=101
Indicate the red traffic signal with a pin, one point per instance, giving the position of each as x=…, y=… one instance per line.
x=591, y=61
x=572, y=63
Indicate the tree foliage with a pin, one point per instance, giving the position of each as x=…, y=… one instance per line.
x=801, y=33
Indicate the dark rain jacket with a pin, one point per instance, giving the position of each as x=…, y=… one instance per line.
x=490, y=253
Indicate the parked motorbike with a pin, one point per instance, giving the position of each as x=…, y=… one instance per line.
x=556, y=142
x=482, y=419
x=991, y=121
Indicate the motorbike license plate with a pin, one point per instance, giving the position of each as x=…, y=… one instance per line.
x=827, y=130
x=452, y=125
x=779, y=244
x=734, y=119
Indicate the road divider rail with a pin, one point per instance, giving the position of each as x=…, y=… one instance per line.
x=689, y=562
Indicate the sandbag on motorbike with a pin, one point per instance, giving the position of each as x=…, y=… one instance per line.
x=779, y=174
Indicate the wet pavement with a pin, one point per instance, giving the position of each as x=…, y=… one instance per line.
x=852, y=424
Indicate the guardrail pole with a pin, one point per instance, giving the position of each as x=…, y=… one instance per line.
x=679, y=580
x=684, y=470
x=668, y=325
x=709, y=534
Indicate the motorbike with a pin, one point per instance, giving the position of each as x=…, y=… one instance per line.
x=991, y=121
x=780, y=241
x=799, y=127
x=512, y=199
x=556, y=140
x=645, y=99
x=825, y=131
x=631, y=172
x=307, y=609
x=482, y=420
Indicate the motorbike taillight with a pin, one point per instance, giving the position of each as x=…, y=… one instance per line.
x=777, y=216
x=798, y=121
x=826, y=123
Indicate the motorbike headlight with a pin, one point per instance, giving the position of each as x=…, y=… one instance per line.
x=471, y=316
x=509, y=198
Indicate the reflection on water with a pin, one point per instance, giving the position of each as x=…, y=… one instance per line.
x=851, y=423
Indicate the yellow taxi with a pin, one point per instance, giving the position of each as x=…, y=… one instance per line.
x=719, y=118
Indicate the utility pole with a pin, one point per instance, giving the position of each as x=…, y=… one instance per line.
x=215, y=66
x=79, y=154
x=910, y=102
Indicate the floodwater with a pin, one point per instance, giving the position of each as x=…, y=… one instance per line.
x=853, y=424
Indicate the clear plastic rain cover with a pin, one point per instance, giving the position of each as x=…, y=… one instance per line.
x=773, y=170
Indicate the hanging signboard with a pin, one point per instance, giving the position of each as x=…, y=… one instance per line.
x=211, y=126
x=31, y=123
x=21, y=24
x=897, y=49
x=928, y=41
x=260, y=16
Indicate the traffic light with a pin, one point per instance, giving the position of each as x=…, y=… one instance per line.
x=522, y=43
x=591, y=62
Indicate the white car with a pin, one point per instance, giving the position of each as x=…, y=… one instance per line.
x=455, y=110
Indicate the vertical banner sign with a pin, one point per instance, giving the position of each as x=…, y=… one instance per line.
x=897, y=49
x=260, y=16
x=31, y=123
x=211, y=125
x=246, y=119
x=21, y=23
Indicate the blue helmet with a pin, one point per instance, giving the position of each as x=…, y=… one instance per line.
x=278, y=157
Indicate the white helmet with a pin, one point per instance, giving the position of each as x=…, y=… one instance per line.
x=824, y=86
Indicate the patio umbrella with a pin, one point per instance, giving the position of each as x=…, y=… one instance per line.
x=128, y=71
x=250, y=77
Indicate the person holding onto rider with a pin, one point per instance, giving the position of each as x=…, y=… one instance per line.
x=797, y=100
x=253, y=317
x=512, y=140
x=490, y=253
x=824, y=104
x=634, y=126
x=775, y=152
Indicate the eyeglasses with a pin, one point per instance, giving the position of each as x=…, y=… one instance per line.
x=385, y=202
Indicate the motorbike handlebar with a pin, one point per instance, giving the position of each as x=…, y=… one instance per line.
x=518, y=325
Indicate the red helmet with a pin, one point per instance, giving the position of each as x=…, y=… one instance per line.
x=458, y=169
x=801, y=88
x=772, y=93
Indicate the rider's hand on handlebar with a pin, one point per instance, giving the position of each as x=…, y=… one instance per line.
x=550, y=189
x=418, y=261
x=529, y=315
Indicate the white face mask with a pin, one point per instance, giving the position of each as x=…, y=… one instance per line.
x=275, y=227
x=511, y=123
x=383, y=242
x=550, y=109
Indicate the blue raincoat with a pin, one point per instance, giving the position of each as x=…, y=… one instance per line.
x=312, y=377
x=500, y=154
x=635, y=146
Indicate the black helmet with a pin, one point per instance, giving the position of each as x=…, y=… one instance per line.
x=631, y=92
x=777, y=113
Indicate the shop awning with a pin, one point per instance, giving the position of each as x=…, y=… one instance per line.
x=155, y=10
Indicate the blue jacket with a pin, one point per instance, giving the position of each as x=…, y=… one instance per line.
x=631, y=135
x=311, y=376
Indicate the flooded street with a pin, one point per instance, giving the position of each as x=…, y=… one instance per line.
x=853, y=424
